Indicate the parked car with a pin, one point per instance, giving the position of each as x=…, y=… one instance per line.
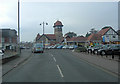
x=27, y=47
x=50, y=47
x=1, y=54
x=96, y=48
x=73, y=46
x=65, y=47
x=55, y=46
x=112, y=49
x=60, y=47
x=37, y=47
x=89, y=49
x=22, y=47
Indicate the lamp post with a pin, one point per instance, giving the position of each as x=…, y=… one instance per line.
x=43, y=23
x=18, y=43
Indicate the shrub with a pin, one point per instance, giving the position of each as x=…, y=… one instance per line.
x=81, y=49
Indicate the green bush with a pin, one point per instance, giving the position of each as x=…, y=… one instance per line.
x=81, y=49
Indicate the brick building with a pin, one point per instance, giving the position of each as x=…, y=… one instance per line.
x=51, y=39
x=8, y=38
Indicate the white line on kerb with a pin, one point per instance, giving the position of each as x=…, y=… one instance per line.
x=60, y=71
x=54, y=59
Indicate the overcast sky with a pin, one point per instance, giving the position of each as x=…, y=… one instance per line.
x=78, y=17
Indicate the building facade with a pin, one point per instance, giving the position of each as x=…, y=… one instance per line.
x=51, y=39
x=108, y=34
x=8, y=38
x=79, y=41
x=58, y=31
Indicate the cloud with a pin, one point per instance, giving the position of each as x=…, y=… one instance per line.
x=8, y=13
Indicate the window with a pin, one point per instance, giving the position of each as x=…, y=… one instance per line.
x=107, y=36
x=3, y=40
x=114, y=36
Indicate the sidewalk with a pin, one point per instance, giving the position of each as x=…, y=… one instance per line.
x=25, y=54
x=102, y=62
x=9, y=53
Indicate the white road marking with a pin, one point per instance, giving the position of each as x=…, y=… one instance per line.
x=73, y=50
x=51, y=55
x=54, y=59
x=60, y=71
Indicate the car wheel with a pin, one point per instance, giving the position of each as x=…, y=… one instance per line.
x=95, y=52
x=90, y=51
x=103, y=53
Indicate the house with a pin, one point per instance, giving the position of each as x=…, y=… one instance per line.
x=8, y=38
x=94, y=39
x=76, y=41
x=47, y=39
x=51, y=39
x=105, y=36
x=108, y=34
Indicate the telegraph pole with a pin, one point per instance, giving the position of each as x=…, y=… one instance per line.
x=18, y=41
x=43, y=23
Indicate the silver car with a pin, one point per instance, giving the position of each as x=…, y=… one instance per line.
x=38, y=48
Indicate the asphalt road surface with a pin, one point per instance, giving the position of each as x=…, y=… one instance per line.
x=57, y=66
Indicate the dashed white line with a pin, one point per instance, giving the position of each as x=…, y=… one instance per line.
x=51, y=55
x=60, y=71
x=54, y=59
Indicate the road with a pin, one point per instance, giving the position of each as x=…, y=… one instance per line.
x=57, y=66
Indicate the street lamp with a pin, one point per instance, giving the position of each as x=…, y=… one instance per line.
x=43, y=23
x=18, y=43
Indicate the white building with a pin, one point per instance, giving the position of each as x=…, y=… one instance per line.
x=108, y=34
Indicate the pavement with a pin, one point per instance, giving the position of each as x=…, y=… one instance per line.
x=9, y=53
x=101, y=61
x=7, y=67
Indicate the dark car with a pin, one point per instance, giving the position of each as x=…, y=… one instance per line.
x=96, y=48
x=112, y=49
x=91, y=49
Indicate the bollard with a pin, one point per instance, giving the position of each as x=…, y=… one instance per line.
x=106, y=55
x=112, y=54
x=119, y=56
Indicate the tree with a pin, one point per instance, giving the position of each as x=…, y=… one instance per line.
x=71, y=34
x=88, y=34
x=93, y=31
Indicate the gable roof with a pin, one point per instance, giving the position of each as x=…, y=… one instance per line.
x=103, y=31
x=93, y=37
x=51, y=36
x=38, y=36
x=80, y=39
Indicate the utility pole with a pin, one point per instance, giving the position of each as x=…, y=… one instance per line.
x=43, y=23
x=18, y=27
x=18, y=21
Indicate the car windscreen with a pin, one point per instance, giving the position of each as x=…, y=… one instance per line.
x=38, y=45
